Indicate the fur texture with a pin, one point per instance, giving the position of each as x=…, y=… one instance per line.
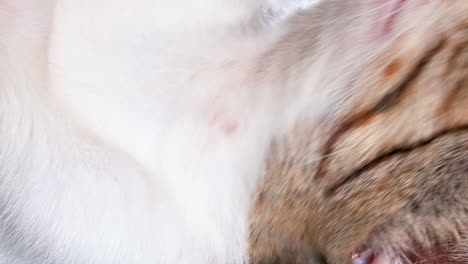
x=136, y=131
x=386, y=175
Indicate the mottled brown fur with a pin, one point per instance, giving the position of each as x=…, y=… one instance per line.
x=390, y=171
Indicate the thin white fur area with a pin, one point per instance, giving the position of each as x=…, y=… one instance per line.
x=133, y=131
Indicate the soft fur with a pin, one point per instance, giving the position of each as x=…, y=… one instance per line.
x=387, y=173
x=136, y=131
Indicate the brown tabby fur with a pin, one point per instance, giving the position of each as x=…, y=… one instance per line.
x=390, y=171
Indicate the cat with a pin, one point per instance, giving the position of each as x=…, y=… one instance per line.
x=383, y=177
x=134, y=131
x=137, y=131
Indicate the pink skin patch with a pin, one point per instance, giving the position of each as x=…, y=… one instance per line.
x=365, y=257
x=368, y=257
x=388, y=12
x=227, y=126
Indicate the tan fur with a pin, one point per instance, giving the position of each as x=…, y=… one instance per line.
x=390, y=170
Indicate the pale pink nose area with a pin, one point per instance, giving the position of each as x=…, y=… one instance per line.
x=382, y=259
x=363, y=258
x=368, y=257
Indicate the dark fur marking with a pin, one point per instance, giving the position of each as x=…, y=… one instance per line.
x=390, y=100
x=399, y=150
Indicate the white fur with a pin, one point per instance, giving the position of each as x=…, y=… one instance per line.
x=134, y=131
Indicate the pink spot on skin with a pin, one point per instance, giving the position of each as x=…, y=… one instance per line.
x=227, y=126
x=365, y=257
x=389, y=11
